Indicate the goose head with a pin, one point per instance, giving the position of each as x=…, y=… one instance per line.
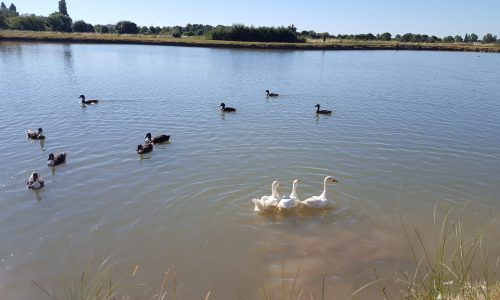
x=82, y=97
x=329, y=179
x=267, y=91
x=274, y=189
x=317, y=105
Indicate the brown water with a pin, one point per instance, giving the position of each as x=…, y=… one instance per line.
x=408, y=130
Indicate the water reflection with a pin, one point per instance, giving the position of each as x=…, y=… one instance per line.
x=42, y=145
x=68, y=60
x=38, y=197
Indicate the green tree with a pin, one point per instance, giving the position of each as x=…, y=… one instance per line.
x=101, y=29
x=81, y=26
x=62, y=8
x=126, y=27
x=59, y=22
x=176, y=33
x=3, y=7
x=489, y=38
x=448, y=39
x=458, y=39
x=466, y=38
x=386, y=36
x=26, y=22
x=12, y=8
x=473, y=37
x=144, y=30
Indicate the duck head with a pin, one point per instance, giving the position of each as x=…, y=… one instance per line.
x=330, y=179
x=139, y=147
x=148, y=136
x=51, y=156
x=34, y=176
x=317, y=105
x=82, y=97
x=40, y=130
x=267, y=91
x=222, y=105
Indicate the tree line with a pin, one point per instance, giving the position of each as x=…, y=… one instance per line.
x=60, y=21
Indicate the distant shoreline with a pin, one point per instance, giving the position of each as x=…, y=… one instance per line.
x=94, y=38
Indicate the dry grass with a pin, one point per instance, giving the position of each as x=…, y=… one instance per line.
x=330, y=44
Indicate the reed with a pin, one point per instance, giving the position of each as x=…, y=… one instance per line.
x=453, y=266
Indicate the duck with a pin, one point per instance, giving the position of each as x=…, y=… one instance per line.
x=57, y=159
x=157, y=139
x=271, y=94
x=226, y=109
x=144, y=149
x=322, y=200
x=35, y=135
x=35, y=182
x=266, y=203
x=93, y=101
x=290, y=201
x=322, y=111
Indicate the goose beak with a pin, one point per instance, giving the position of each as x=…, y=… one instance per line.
x=334, y=180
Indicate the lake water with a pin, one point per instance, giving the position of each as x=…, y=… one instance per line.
x=409, y=131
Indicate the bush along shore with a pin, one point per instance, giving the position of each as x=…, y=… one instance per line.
x=310, y=44
x=59, y=27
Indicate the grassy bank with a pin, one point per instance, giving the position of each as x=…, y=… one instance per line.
x=331, y=44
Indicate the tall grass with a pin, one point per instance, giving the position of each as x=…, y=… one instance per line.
x=455, y=266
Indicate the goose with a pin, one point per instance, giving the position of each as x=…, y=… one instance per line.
x=265, y=203
x=35, y=182
x=144, y=149
x=226, y=109
x=271, y=94
x=88, y=101
x=290, y=201
x=157, y=139
x=57, y=159
x=322, y=200
x=323, y=111
x=35, y=135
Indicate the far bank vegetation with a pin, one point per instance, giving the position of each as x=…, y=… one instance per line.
x=60, y=21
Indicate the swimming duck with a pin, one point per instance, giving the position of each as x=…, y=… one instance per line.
x=157, y=139
x=322, y=200
x=290, y=201
x=265, y=203
x=226, y=109
x=323, y=111
x=57, y=159
x=35, y=135
x=144, y=149
x=35, y=182
x=88, y=101
x=271, y=94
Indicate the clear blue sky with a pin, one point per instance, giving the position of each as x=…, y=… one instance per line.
x=438, y=17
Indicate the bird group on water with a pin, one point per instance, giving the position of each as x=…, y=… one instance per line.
x=319, y=111
x=275, y=201
x=265, y=203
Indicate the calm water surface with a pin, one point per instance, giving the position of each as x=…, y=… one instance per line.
x=408, y=130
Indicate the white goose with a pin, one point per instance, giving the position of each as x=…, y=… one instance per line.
x=268, y=202
x=322, y=200
x=290, y=201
